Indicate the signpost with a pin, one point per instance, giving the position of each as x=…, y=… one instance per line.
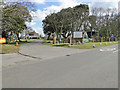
x=77, y=34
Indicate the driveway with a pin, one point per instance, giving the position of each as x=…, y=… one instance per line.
x=37, y=50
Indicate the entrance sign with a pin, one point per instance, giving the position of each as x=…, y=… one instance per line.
x=77, y=34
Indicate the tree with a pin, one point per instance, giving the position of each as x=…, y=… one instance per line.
x=92, y=21
x=65, y=22
x=14, y=18
x=106, y=22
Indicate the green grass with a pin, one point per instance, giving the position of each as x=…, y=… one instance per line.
x=81, y=46
x=23, y=41
x=90, y=45
x=7, y=48
x=61, y=45
x=47, y=42
x=11, y=48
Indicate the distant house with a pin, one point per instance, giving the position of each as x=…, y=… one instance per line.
x=34, y=35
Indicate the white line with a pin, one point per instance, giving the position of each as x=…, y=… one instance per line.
x=108, y=49
x=115, y=51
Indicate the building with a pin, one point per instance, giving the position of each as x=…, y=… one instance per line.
x=34, y=35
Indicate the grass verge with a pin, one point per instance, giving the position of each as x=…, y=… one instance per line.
x=90, y=45
x=11, y=48
x=80, y=46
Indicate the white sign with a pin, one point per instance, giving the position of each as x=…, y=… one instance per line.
x=77, y=35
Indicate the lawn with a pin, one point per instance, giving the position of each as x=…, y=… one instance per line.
x=23, y=41
x=91, y=44
x=7, y=48
x=11, y=48
x=80, y=46
x=47, y=42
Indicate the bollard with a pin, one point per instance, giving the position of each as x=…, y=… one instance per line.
x=109, y=39
x=58, y=43
x=16, y=43
x=101, y=39
x=115, y=39
x=93, y=40
x=93, y=45
x=105, y=43
x=69, y=45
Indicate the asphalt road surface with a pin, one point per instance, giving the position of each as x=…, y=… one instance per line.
x=97, y=68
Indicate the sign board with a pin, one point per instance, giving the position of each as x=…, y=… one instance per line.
x=77, y=35
x=2, y=40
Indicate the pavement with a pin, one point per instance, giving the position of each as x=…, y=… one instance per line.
x=96, y=68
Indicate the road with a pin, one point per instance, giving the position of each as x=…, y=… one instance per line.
x=40, y=51
x=97, y=68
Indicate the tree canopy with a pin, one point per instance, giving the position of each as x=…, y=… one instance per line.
x=66, y=21
x=79, y=18
x=14, y=17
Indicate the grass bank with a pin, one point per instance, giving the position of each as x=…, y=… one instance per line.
x=80, y=46
x=11, y=48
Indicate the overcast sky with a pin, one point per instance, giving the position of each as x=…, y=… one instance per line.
x=45, y=7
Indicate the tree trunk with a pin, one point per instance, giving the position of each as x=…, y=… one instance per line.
x=48, y=37
x=91, y=32
x=61, y=30
x=18, y=37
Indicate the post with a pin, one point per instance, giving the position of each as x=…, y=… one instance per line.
x=115, y=39
x=16, y=44
x=109, y=39
x=54, y=39
x=101, y=39
x=82, y=41
x=93, y=40
x=70, y=40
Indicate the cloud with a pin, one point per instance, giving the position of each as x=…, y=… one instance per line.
x=38, y=15
x=32, y=23
x=38, y=1
x=69, y=3
x=105, y=4
x=63, y=4
x=35, y=1
x=39, y=30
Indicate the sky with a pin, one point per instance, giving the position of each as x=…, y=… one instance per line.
x=45, y=7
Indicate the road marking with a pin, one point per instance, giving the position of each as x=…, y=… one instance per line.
x=108, y=49
x=116, y=51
